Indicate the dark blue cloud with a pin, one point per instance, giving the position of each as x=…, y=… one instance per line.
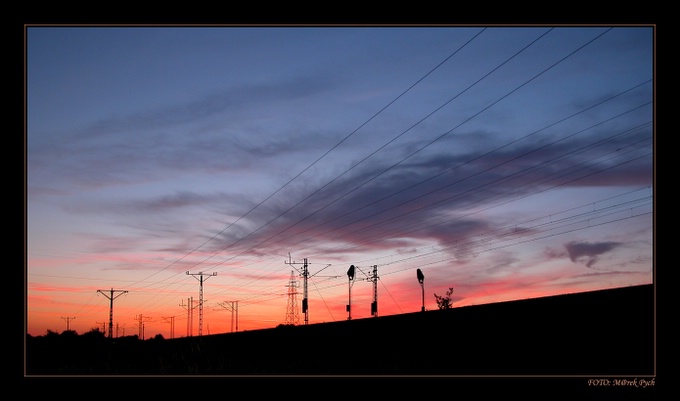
x=589, y=252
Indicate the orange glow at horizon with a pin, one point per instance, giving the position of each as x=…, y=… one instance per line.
x=47, y=312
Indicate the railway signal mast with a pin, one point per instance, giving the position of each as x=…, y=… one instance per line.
x=373, y=278
x=421, y=280
x=350, y=276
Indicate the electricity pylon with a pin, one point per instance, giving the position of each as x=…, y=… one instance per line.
x=292, y=316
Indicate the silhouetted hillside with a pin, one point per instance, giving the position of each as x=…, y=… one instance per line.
x=606, y=332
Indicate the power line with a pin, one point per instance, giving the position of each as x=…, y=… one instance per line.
x=318, y=159
x=438, y=138
x=458, y=195
x=448, y=185
x=380, y=148
x=638, y=85
x=520, y=224
x=322, y=156
x=585, y=220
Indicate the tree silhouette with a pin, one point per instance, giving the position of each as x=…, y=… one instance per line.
x=444, y=302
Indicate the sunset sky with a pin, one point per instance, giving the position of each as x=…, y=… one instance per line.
x=504, y=162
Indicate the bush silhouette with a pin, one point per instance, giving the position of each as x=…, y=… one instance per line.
x=444, y=302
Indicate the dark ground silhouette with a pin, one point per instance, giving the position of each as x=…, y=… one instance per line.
x=607, y=332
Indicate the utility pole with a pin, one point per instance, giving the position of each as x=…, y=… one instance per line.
x=188, y=308
x=141, y=324
x=172, y=325
x=190, y=315
x=118, y=329
x=233, y=306
x=68, y=321
x=111, y=298
x=200, y=296
x=305, y=276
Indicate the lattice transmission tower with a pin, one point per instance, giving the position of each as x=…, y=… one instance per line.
x=292, y=315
